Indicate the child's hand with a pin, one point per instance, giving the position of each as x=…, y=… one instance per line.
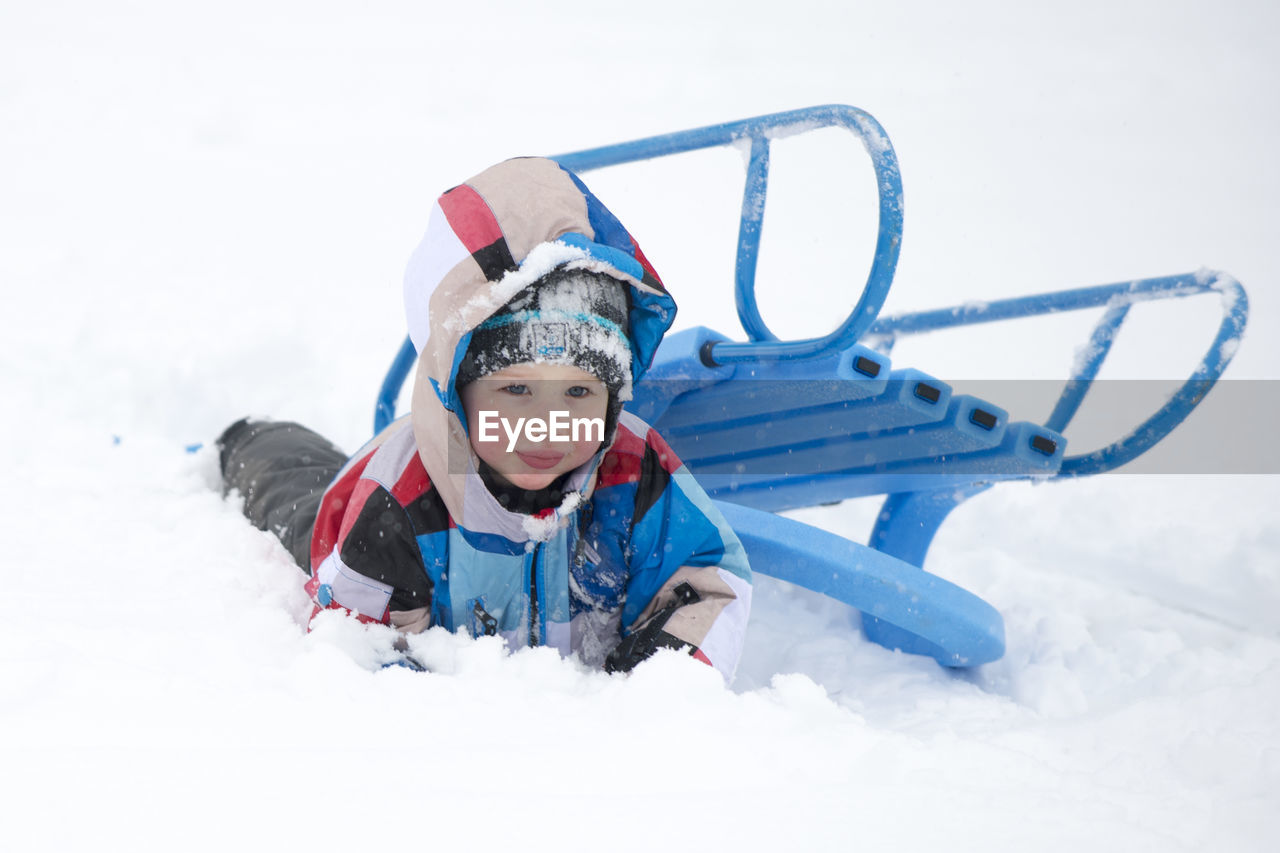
x=644, y=642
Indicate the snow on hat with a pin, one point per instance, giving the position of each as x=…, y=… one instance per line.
x=569, y=316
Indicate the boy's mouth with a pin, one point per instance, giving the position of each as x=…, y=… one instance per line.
x=540, y=459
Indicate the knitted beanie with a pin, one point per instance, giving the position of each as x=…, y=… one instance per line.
x=569, y=316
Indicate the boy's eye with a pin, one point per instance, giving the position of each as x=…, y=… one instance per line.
x=578, y=391
x=516, y=389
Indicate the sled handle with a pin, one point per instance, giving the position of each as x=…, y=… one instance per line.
x=758, y=132
x=384, y=410
x=1117, y=299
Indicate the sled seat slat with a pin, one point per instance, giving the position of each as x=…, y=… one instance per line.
x=794, y=433
x=1015, y=458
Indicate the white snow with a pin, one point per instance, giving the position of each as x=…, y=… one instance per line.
x=206, y=212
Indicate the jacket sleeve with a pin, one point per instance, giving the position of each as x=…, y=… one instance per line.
x=366, y=559
x=689, y=585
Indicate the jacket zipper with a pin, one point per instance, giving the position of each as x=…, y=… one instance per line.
x=535, y=637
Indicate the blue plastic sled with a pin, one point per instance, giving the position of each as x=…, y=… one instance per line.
x=768, y=425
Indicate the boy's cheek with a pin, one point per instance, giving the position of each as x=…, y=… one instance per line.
x=590, y=408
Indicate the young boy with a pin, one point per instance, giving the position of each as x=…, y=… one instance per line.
x=518, y=498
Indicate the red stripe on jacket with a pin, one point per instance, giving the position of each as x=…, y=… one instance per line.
x=412, y=482
x=470, y=218
x=625, y=460
x=666, y=456
x=644, y=262
x=621, y=464
x=326, y=535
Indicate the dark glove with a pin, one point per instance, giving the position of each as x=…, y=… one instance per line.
x=645, y=641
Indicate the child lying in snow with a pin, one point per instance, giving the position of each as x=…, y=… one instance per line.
x=518, y=498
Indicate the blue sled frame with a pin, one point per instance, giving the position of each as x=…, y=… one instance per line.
x=903, y=606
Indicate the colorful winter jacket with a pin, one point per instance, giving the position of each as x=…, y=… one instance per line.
x=634, y=558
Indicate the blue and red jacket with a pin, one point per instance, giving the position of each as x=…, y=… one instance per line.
x=633, y=558
x=646, y=557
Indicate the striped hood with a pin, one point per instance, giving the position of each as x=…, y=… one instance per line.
x=488, y=239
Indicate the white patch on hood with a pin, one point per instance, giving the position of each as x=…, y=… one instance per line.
x=542, y=529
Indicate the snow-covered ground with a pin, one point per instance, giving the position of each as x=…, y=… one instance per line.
x=205, y=210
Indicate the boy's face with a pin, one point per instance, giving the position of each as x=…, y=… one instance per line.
x=534, y=392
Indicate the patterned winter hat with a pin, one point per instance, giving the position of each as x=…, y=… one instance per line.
x=569, y=316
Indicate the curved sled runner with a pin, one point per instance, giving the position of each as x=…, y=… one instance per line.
x=903, y=606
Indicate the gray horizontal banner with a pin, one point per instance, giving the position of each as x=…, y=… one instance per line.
x=754, y=432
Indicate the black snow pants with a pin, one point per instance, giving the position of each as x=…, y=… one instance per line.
x=282, y=470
